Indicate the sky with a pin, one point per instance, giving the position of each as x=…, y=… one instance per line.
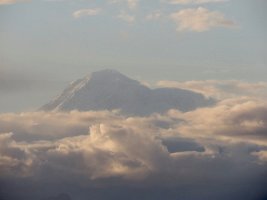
x=45, y=44
x=209, y=54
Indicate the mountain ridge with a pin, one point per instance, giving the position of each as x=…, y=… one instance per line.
x=109, y=90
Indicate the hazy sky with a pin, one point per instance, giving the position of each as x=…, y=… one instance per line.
x=48, y=43
x=213, y=47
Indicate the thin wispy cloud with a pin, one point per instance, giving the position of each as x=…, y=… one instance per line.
x=131, y=4
x=220, y=89
x=157, y=14
x=8, y=2
x=191, y=19
x=86, y=12
x=124, y=16
x=4, y=2
x=194, y=1
x=199, y=20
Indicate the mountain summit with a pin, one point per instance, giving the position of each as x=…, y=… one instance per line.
x=109, y=90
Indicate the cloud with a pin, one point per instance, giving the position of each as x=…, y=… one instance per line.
x=199, y=20
x=131, y=150
x=131, y=4
x=86, y=12
x=108, y=155
x=126, y=17
x=262, y=155
x=236, y=119
x=8, y=2
x=154, y=15
x=108, y=150
x=194, y=1
x=221, y=89
x=3, y=2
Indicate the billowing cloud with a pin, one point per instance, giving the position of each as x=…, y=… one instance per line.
x=199, y=19
x=234, y=119
x=217, y=151
x=86, y=12
x=194, y=1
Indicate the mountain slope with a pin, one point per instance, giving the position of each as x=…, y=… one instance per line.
x=109, y=90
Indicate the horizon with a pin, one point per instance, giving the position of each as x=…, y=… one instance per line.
x=53, y=89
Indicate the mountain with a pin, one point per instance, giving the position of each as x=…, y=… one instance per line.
x=109, y=90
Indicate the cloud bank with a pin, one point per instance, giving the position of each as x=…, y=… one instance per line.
x=217, y=152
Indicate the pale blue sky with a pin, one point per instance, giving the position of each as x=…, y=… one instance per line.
x=44, y=44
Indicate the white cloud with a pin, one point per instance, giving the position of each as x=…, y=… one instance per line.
x=236, y=119
x=194, y=1
x=199, y=19
x=86, y=12
x=126, y=17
